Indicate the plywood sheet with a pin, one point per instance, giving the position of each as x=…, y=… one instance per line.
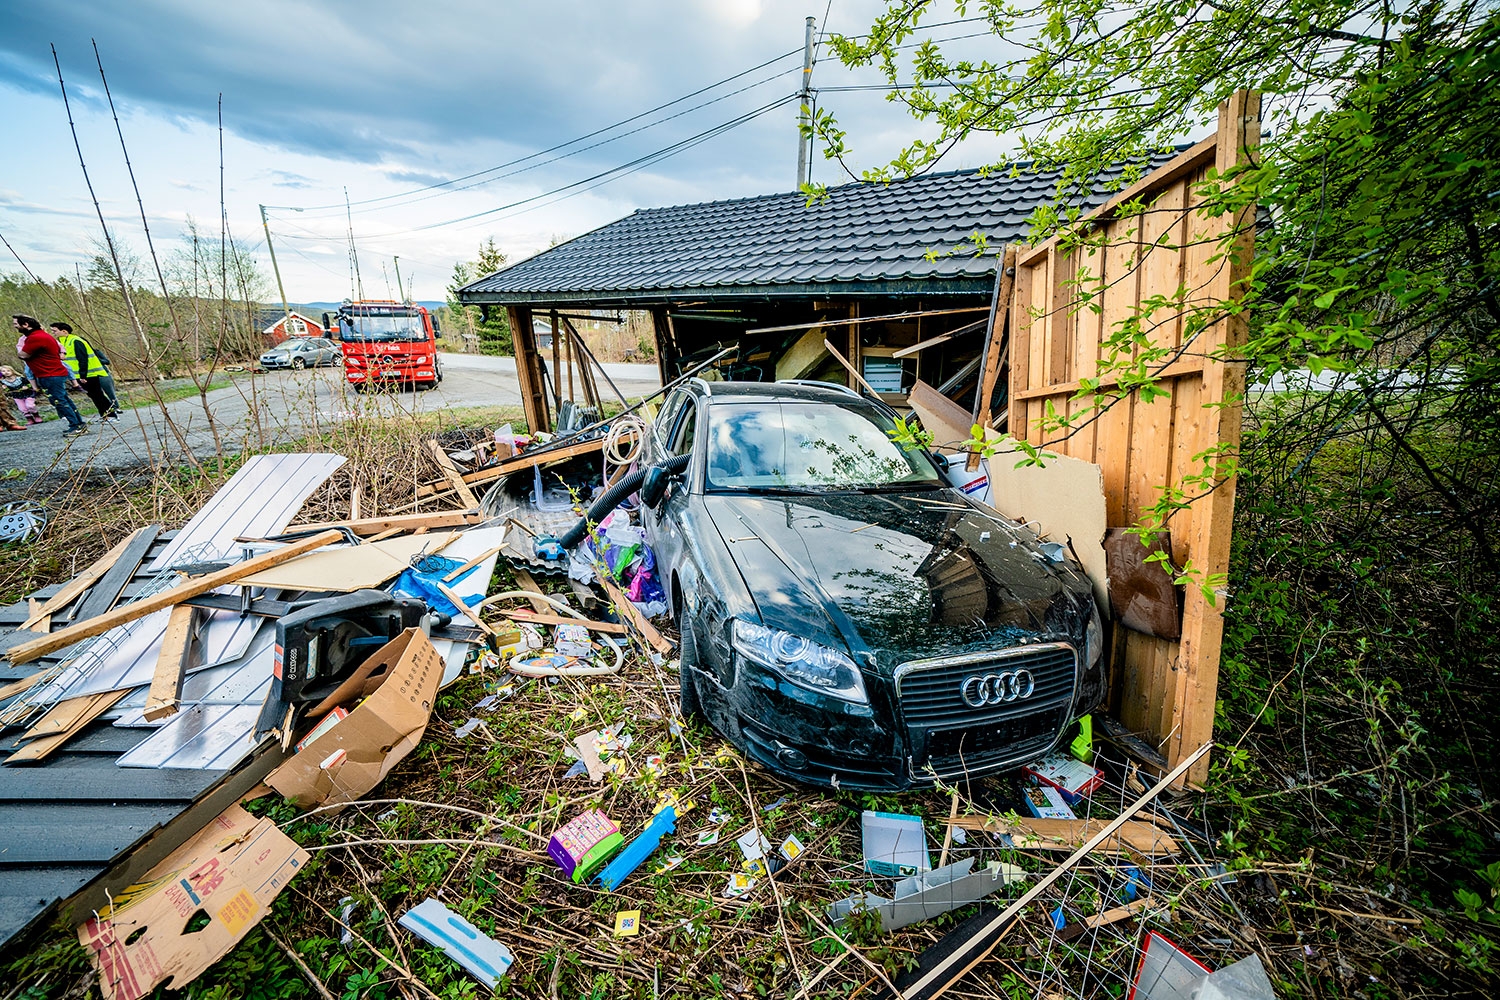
x=1064, y=498
x=348, y=568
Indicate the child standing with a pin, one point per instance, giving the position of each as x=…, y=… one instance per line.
x=19, y=388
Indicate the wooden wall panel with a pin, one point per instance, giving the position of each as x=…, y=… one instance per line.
x=1166, y=248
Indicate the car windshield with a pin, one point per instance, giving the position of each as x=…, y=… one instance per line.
x=407, y=329
x=769, y=446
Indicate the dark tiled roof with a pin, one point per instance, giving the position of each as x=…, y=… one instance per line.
x=864, y=238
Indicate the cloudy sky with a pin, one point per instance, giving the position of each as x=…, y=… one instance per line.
x=384, y=99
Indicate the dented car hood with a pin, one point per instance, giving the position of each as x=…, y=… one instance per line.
x=896, y=576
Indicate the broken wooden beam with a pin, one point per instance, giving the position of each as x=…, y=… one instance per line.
x=171, y=664
x=41, y=646
x=399, y=522
x=1066, y=834
x=657, y=641
x=81, y=582
x=451, y=473
x=540, y=618
x=536, y=456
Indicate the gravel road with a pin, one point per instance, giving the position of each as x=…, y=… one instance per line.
x=274, y=407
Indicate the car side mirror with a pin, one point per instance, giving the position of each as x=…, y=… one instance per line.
x=940, y=460
x=654, y=486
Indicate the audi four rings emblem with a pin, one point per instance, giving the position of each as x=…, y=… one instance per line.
x=995, y=689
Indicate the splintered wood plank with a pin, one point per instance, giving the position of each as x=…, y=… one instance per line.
x=993, y=361
x=103, y=594
x=1068, y=834
x=1020, y=349
x=451, y=473
x=658, y=642
x=50, y=734
x=28, y=651
x=81, y=582
x=542, y=618
x=400, y=522
x=171, y=663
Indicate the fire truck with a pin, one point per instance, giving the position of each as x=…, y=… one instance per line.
x=387, y=342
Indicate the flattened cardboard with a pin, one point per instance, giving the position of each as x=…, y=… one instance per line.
x=381, y=730
x=1142, y=593
x=348, y=568
x=1064, y=497
x=227, y=874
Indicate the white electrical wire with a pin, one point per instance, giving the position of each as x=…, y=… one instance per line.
x=623, y=443
x=524, y=671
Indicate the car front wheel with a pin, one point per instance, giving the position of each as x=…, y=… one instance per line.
x=298, y=364
x=688, y=648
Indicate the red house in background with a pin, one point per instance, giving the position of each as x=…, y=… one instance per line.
x=295, y=325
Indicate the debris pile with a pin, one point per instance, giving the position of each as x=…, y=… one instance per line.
x=503, y=772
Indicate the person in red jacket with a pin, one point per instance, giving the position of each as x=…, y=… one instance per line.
x=43, y=355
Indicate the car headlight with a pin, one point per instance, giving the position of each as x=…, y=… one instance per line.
x=1093, y=638
x=801, y=661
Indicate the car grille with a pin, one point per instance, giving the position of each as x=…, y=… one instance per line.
x=951, y=736
x=930, y=693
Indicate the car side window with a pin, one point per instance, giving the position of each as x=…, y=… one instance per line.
x=686, y=431
x=668, y=415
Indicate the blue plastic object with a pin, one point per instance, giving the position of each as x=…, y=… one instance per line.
x=638, y=850
x=487, y=959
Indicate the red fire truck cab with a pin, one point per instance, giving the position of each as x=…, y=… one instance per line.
x=388, y=342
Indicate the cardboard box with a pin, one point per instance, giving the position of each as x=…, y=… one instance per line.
x=1075, y=779
x=385, y=727
x=224, y=878
x=1046, y=802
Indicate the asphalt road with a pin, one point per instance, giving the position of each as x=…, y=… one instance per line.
x=258, y=411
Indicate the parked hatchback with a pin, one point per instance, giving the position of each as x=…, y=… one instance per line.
x=302, y=352
x=847, y=617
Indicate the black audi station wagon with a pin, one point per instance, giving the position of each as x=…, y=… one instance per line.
x=847, y=618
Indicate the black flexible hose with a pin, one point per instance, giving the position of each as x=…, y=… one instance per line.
x=610, y=498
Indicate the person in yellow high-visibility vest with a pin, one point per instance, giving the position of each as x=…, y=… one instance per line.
x=90, y=367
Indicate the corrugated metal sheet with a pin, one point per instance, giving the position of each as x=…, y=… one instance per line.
x=861, y=234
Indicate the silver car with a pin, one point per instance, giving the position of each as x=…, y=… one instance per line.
x=302, y=352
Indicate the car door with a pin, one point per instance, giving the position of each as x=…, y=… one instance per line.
x=674, y=438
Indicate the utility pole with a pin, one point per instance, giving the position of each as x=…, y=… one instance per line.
x=399, y=289
x=359, y=285
x=286, y=310
x=804, y=95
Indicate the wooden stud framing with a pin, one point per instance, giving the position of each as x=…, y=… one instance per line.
x=1168, y=248
x=42, y=645
x=528, y=374
x=995, y=350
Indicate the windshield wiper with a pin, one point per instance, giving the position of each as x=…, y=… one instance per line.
x=774, y=491
x=923, y=486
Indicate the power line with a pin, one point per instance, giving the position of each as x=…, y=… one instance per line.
x=550, y=149
x=614, y=173
x=578, y=187
x=582, y=149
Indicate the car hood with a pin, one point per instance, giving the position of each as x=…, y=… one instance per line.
x=902, y=576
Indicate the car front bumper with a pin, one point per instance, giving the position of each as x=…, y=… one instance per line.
x=917, y=730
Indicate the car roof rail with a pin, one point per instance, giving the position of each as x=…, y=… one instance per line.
x=703, y=382
x=817, y=384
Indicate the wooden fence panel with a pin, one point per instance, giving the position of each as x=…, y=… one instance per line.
x=1154, y=267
